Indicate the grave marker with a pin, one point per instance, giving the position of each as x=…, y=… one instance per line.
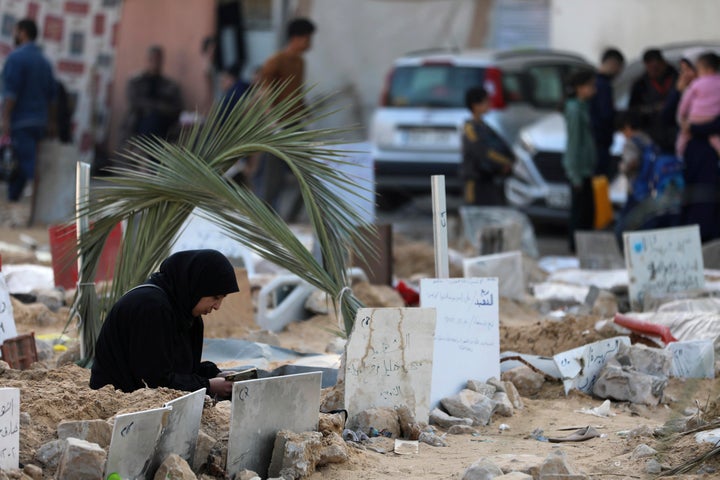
x=598, y=251
x=181, y=432
x=263, y=407
x=663, y=261
x=467, y=338
x=9, y=428
x=389, y=360
x=507, y=267
x=133, y=442
x=579, y=367
x=7, y=321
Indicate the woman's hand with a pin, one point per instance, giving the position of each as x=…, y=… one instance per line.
x=220, y=388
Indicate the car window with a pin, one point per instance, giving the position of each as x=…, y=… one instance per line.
x=546, y=86
x=432, y=85
x=513, y=87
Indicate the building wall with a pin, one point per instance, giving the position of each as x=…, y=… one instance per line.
x=589, y=26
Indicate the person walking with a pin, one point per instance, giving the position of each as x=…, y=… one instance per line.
x=29, y=91
x=602, y=110
x=580, y=155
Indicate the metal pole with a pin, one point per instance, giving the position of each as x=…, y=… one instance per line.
x=82, y=224
x=440, y=237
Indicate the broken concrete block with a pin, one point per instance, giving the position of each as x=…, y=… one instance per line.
x=81, y=460
x=514, y=396
x=247, y=475
x=442, y=419
x=469, y=404
x=627, y=385
x=498, y=384
x=527, y=381
x=203, y=447
x=49, y=453
x=294, y=454
x=514, y=476
x=383, y=418
x=482, y=470
x=525, y=463
x=643, y=451
x=462, y=430
x=93, y=431
x=504, y=406
x=33, y=471
x=175, y=467
x=481, y=387
x=333, y=450
x=331, y=422
x=644, y=359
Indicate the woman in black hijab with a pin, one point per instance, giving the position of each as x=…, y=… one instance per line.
x=153, y=335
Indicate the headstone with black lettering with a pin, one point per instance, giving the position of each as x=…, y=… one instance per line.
x=467, y=338
x=133, y=442
x=389, y=360
x=9, y=428
x=663, y=261
x=598, y=251
x=580, y=367
x=263, y=407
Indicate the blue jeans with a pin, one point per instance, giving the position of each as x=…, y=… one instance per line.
x=24, y=143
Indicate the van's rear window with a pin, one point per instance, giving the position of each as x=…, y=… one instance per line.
x=433, y=85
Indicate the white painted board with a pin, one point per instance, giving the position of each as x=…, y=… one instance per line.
x=663, y=261
x=9, y=428
x=389, y=360
x=133, y=442
x=507, y=267
x=579, y=367
x=263, y=407
x=7, y=320
x=467, y=332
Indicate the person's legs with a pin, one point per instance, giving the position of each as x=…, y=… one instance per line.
x=24, y=142
x=582, y=210
x=274, y=170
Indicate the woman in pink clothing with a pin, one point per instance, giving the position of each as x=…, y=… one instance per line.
x=700, y=102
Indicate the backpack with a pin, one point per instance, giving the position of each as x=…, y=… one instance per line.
x=660, y=172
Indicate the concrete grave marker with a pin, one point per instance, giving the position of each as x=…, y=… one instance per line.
x=9, y=428
x=389, y=360
x=133, y=442
x=507, y=267
x=598, y=251
x=7, y=321
x=181, y=432
x=467, y=338
x=263, y=407
x=663, y=261
x=580, y=366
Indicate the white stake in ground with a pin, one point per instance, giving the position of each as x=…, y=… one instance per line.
x=82, y=225
x=440, y=237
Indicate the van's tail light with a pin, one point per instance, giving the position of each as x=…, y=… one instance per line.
x=385, y=94
x=493, y=85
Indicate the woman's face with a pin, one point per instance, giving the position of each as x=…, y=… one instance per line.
x=207, y=304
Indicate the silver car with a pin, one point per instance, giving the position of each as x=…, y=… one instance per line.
x=416, y=131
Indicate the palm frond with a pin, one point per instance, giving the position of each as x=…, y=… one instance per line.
x=161, y=183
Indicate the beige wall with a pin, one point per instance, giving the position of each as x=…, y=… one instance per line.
x=179, y=26
x=589, y=26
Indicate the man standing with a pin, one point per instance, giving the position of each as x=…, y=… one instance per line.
x=28, y=94
x=286, y=67
x=602, y=110
x=154, y=101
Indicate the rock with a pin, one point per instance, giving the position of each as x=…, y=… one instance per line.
x=641, y=431
x=44, y=350
x=409, y=429
x=4, y=366
x=432, y=439
x=53, y=298
x=644, y=359
x=503, y=406
x=469, y=404
x=33, y=471
x=556, y=467
x=514, y=396
x=499, y=386
x=294, y=454
x=49, y=453
x=25, y=419
x=622, y=384
x=525, y=463
x=653, y=467
x=318, y=302
x=442, y=419
x=462, y=430
x=481, y=387
x=336, y=345
x=247, y=475
x=203, y=447
x=482, y=470
x=174, y=467
x=514, y=476
x=643, y=451
x=375, y=296
x=332, y=398
x=81, y=460
x=379, y=418
x=527, y=381
x=71, y=355
x=93, y=431
x=331, y=423
x=333, y=450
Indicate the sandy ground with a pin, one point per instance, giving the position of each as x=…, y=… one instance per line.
x=50, y=395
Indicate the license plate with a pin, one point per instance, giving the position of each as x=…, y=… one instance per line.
x=421, y=137
x=558, y=199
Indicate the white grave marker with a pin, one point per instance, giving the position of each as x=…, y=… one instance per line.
x=181, y=433
x=663, y=261
x=263, y=407
x=389, y=360
x=467, y=332
x=580, y=366
x=9, y=428
x=7, y=321
x=133, y=442
x=507, y=267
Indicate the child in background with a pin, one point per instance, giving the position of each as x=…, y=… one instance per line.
x=700, y=102
x=486, y=161
x=580, y=154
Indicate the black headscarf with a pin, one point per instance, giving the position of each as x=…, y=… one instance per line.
x=190, y=275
